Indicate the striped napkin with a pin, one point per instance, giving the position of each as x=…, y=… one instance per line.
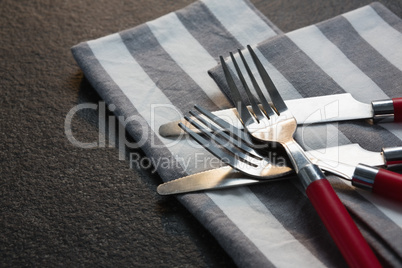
x=157, y=71
x=359, y=52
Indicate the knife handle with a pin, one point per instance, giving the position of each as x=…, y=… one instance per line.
x=381, y=181
x=397, y=103
x=340, y=225
x=385, y=109
x=392, y=155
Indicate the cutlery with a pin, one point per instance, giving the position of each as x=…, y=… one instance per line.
x=330, y=108
x=378, y=180
x=350, y=156
x=278, y=125
x=237, y=142
x=214, y=179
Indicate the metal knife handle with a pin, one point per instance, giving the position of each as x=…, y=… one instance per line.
x=385, y=110
x=392, y=155
x=340, y=225
x=381, y=181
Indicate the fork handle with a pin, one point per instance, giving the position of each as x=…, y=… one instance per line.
x=339, y=223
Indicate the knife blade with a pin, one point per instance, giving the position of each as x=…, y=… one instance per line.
x=218, y=178
x=225, y=177
x=329, y=108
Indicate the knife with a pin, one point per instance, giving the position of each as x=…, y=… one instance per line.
x=377, y=180
x=358, y=160
x=218, y=178
x=329, y=108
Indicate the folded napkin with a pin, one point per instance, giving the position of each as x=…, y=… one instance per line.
x=359, y=52
x=153, y=73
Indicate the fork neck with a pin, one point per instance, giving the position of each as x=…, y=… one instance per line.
x=306, y=171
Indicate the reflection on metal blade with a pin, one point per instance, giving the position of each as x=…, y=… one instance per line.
x=351, y=154
x=223, y=177
x=330, y=108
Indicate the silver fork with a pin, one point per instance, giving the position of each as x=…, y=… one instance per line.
x=233, y=147
x=278, y=125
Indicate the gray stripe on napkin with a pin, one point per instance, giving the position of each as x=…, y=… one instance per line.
x=364, y=134
x=307, y=78
x=204, y=209
x=218, y=76
x=166, y=74
x=341, y=33
x=262, y=17
x=392, y=19
x=97, y=77
x=198, y=18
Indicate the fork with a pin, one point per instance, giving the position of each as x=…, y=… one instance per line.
x=233, y=147
x=278, y=125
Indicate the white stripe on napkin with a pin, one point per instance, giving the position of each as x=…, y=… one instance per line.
x=224, y=10
x=188, y=53
x=332, y=60
x=394, y=129
x=126, y=73
x=117, y=61
x=378, y=33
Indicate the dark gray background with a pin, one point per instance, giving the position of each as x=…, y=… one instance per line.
x=62, y=205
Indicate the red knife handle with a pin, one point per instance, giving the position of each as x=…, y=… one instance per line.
x=340, y=225
x=381, y=181
x=397, y=103
x=389, y=184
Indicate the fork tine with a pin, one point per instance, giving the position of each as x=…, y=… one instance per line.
x=276, y=98
x=224, y=141
x=210, y=147
x=226, y=126
x=256, y=110
x=241, y=147
x=267, y=108
x=241, y=107
x=231, y=158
